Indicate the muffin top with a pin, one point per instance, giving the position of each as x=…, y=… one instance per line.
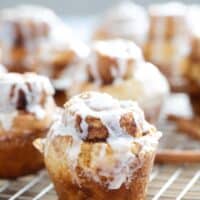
x=98, y=117
x=27, y=103
x=117, y=67
x=112, y=59
x=25, y=92
x=23, y=24
x=24, y=30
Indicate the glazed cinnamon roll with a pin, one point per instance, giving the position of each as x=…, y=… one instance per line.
x=168, y=40
x=125, y=20
x=34, y=39
x=22, y=29
x=100, y=148
x=117, y=67
x=26, y=112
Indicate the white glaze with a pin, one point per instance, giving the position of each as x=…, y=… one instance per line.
x=149, y=86
x=68, y=76
x=153, y=85
x=108, y=110
x=39, y=86
x=193, y=18
x=39, y=16
x=117, y=49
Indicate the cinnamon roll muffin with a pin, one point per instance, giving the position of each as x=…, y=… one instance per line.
x=100, y=148
x=117, y=67
x=34, y=39
x=168, y=41
x=26, y=112
x=125, y=20
x=22, y=29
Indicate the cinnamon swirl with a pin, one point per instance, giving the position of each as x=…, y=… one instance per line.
x=100, y=148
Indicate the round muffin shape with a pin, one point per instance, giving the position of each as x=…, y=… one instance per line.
x=100, y=147
x=112, y=59
x=117, y=67
x=27, y=110
x=23, y=28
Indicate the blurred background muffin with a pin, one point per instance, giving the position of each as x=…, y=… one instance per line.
x=168, y=41
x=34, y=39
x=26, y=113
x=125, y=20
x=117, y=67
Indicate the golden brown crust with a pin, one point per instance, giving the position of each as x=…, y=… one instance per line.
x=18, y=157
x=101, y=34
x=23, y=122
x=16, y=61
x=59, y=172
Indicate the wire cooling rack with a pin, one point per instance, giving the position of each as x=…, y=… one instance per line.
x=167, y=182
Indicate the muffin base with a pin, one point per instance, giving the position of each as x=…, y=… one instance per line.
x=67, y=190
x=18, y=157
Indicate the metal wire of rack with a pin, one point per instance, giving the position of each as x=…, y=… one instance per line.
x=167, y=182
